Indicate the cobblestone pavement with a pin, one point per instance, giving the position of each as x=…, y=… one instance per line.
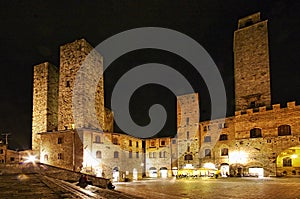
x=33, y=186
x=235, y=188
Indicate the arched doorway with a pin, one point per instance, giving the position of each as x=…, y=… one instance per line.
x=152, y=172
x=288, y=162
x=224, y=169
x=163, y=172
x=134, y=174
x=116, y=174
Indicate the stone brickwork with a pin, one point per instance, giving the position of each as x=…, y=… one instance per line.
x=89, y=88
x=187, y=130
x=251, y=63
x=45, y=101
x=159, y=155
x=62, y=149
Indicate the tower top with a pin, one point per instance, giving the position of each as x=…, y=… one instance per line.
x=249, y=20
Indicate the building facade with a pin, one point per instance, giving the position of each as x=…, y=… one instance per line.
x=260, y=139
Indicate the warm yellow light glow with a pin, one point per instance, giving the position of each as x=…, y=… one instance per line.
x=30, y=158
x=294, y=156
x=240, y=157
x=89, y=160
x=209, y=165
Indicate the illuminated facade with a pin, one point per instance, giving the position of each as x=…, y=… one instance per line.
x=260, y=139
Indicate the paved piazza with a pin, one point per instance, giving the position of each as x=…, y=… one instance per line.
x=248, y=188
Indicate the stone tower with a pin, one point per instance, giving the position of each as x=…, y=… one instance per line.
x=72, y=56
x=251, y=63
x=45, y=101
x=187, y=130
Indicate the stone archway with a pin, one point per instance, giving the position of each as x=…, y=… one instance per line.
x=288, y=162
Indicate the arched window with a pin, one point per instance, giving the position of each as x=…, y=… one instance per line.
x=97, y=139
x=224, y=137
x=45, y=157
x=287, y=162
x=188, y=157
x=116, y=154
x=224, y=151
x=98, y=154
x=255, y=133
x=284, y=130
x=207, y=152
x=115, y=141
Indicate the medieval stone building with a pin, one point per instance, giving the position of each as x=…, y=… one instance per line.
x=260, y=139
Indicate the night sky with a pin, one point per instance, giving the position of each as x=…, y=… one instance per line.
x=31, y=33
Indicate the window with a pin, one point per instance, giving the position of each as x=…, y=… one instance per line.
x=98, y=154
x=207, y=139
x=130, y=154
x=153, y=154
x=224, y=151
x=252, y=104
x=59, y=140
x=187, y=135
x=12, y=159
x=45, y=157
x=255, y=133
x=68, y=84
x=152, y=143
x=137, y=155
x=207, y=152
x=97, y=139
x=130, y=142
x=116, y=154
x=173, y=141
x=224, y=137
x=160, y=154
x=1, y=151
x=287, y=162
x=163, y=143
x=188, y=157
x=59, y=156
x=188, y=147
x=205, y=128
x=269, y=141
x=137, y=144
x=115, y=141
x=284, y=130
x=187, y=120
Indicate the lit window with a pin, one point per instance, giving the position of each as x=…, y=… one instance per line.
x=98, y=154
x=284, y=130
x=116, y=154
x=224, y=151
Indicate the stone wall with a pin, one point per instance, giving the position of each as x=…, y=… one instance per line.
x=251, y=63
x=45, y=104
x=81, y=68
x=62, y=149
x=188, y=129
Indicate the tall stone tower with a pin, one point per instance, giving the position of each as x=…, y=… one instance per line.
x=45, y=101
x=187, y=130
x=251, y=63
x=72, y=56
